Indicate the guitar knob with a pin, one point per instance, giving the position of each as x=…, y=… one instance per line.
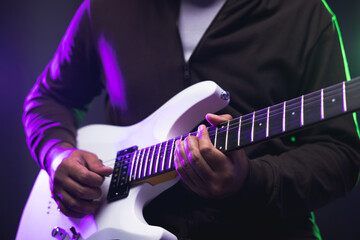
x=76, y=235
x=59, y=233
x=225, y=95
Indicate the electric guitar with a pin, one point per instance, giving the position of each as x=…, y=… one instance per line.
x=142, y=156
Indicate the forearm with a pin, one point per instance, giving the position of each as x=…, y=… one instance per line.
x=68, y=83
x=47, y=122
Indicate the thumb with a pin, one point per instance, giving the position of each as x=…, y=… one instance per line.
x=95, y=165
x=215, y=120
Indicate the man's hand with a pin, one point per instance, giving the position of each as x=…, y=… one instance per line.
x=75, y=178
x=206, y=170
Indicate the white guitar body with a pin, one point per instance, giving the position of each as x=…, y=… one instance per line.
x=121, y=219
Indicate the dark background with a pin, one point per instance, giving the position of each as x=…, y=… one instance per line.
x=30, y=31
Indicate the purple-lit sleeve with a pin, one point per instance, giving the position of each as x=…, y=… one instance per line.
x=63, y=91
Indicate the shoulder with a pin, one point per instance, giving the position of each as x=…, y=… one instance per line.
x=311, y=15
x=318, y=9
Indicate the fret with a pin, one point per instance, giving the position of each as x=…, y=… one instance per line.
x=171, y=155
x=275, y=120
x=252, y=127
x=158, y=158
x=312, y=108
x=267, y=121
x=152, y=160
x=246, y=126
x=163, y=157
x=344, y=96
x=293, y=114
x=322, y=116
x=212, y=133
x=302, y=111
x=284, y=117
x=132, y=165
x=137, y=163
x=227, y=136
x=221, y=136
x=141, y=163
x=260, y=124
x=239, y=131
x=146, y=162
x=216, y=134
x=168, y=153
x=232, y=133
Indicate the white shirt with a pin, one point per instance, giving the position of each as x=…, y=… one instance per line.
x=194, y=19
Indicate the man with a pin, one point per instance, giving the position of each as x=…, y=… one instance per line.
x=144, y=52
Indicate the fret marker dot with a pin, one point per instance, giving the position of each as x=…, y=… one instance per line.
x=220, y=148
x=333, y=100
x=260, y=124
x=293, y=113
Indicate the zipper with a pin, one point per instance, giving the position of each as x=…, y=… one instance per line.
x=187, y=75
x=186, y=64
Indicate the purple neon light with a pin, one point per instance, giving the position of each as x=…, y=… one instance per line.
x=115, y=80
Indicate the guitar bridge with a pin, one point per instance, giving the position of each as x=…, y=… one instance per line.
x=119, y=186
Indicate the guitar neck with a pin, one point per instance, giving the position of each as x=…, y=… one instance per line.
x=288, y=116
x=251, y=128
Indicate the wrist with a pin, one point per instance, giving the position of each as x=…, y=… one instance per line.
x=55, y=156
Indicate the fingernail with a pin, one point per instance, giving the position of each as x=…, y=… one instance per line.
x=201, y=128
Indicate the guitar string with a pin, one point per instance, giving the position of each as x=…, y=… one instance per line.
x=289, y=108
x=311, y=98
x=107, y=162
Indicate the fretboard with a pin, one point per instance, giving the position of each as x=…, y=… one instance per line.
x=251, y=128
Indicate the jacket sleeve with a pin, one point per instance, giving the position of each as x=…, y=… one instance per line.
x=64, y=90
x=322, y=164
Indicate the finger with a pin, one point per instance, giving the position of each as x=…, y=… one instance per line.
x=200, y=167
x=83, y=176
x=215, y=120
x=180, y=156
x=68, y=212
x=80, y=191
x=76, y=166
x=71, y=206
x=214, y=158
x=185, y=171
x=96, y=166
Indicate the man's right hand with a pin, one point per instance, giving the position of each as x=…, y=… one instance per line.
x=75, y=179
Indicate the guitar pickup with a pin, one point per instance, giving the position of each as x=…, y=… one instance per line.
x=119, y=185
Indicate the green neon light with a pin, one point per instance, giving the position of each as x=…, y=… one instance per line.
x=337, y=28
x=79, y=113
x=316, y=229
x=346, y=65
